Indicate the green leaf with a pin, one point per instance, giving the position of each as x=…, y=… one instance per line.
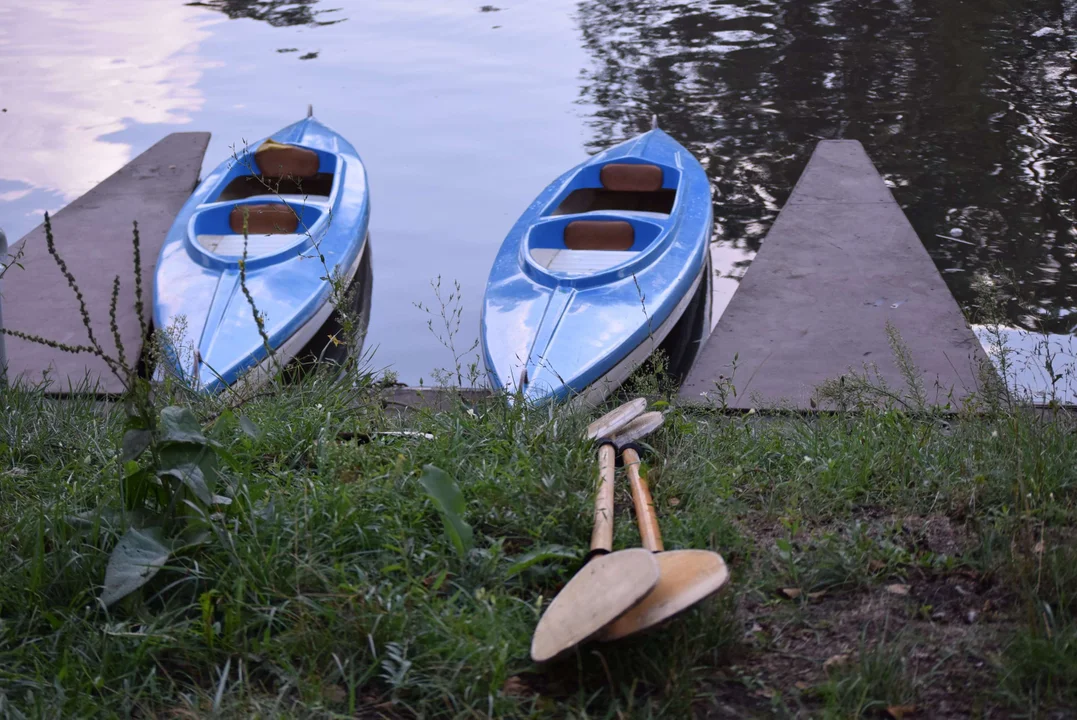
x=192, y=476
x=542, y=554
x=134, y=443
x=176, y=455
x=449, y=501
x=137, y=557
x=177, y=458
x=134, y=421
x=249, y=427
x=110, y=519
x=266, y=513
x=179, y=425
x=136, y=487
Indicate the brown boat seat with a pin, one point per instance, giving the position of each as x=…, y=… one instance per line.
x=599, y=235
x=268, y=219
x=277, y=160
x=624, y=177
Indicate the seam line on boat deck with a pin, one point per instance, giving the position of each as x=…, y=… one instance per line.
x=569, y=294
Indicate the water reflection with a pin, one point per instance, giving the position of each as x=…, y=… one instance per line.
x=1039, y=366
x=968, y=110
x=472, y=114
x=278, y=13
x=140, y=65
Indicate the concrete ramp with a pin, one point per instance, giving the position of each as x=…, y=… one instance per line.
x=840, y=262
x=93, y=236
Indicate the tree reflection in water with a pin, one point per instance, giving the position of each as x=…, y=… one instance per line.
x=278, y=13
x=968, y=109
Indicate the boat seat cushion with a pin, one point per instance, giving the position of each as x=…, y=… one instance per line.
x=277, y=160
x=624, y=177
x=599, y=235
x=268, y=219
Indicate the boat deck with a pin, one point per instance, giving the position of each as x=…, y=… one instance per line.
x=840, y=264
x=93, y=236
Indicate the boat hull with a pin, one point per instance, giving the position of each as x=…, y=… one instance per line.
x=679, y=337
x=210, y=279
x=321, y=339
x=591, y=280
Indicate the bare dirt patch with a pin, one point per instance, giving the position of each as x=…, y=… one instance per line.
x=948, y=625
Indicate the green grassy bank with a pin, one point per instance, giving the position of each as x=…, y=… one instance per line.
x=883, y=562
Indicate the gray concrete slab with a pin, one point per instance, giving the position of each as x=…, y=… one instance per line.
x=437, y=399
x=840, y=262
x=93, y=236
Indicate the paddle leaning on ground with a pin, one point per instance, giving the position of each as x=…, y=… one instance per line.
x=619, y=593
x=610, y=583
x=685, y=576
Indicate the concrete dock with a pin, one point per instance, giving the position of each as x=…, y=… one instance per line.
x=93, y=236
x=840, y=262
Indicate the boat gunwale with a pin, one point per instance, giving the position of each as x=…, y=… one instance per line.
x=640, y=259
x=310, y=236
x=542, y=214
x=600, y=160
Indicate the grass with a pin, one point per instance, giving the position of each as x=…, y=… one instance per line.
x=878, y=678
x=310, y=560
x=331, y=588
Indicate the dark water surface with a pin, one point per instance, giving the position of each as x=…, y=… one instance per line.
x=463, y=113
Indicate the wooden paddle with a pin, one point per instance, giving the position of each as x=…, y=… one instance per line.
x=601, y=429
x=685, y=576
x=610, y=583
x=613, y=421
x=645, y=424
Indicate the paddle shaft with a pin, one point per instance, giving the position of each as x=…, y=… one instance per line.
x=602, y=534
x=641, y=498
x=609, y=424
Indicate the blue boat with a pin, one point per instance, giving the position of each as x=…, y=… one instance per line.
x=608, y=264
x=302, y=200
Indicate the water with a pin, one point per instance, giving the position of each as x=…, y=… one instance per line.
x=1041, y=367
x=463, y=113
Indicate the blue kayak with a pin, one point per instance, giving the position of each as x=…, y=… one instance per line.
x=599, y=271
x=301, y=196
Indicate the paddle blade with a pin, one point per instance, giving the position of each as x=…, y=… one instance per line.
x=643, y=425
x=687, y=576
x=602, y=591
x=615, y=419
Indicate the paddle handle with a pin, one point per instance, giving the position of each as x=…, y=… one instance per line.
x=602, y=534
x=641, y=498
